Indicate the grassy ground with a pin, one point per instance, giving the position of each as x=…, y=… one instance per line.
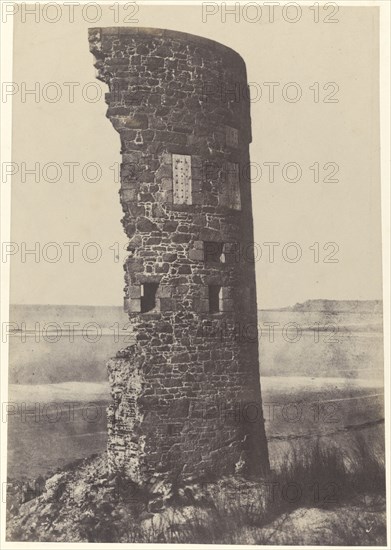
x=319, y=496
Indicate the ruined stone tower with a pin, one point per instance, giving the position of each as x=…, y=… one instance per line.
x=186, y=395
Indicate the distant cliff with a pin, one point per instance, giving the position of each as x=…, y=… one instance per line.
x=338, y=306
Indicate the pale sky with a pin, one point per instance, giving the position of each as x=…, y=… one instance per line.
x=341, y=57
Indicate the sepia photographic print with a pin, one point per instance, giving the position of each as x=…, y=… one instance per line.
x=195, y=274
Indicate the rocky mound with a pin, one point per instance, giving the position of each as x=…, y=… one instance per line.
x=85, y=503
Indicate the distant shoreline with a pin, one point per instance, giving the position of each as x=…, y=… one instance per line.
x=319, y=304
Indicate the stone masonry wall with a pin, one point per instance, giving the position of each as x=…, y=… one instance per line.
x=186, y=396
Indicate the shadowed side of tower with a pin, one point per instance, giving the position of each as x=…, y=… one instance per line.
x=186, y=395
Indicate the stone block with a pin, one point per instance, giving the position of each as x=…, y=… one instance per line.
x=199, y=245
x=138, y=122
x=134, y=291
x=166, y=158
x=166, y=184
x=144, y=225
x=152, y=63
x=162, y=268
x=128, y=195
x=167, y=304
x=181, y=238
x=180, y=358
x=196, y=255
x=164, y=172
x=134, y=305
x=136, y=210
x=134, y=265
x=164, y=291
x=128, y=172
x=169, y=257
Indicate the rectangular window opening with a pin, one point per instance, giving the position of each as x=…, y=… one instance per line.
x=214, y=298
x=148, y=297
x=213, y=252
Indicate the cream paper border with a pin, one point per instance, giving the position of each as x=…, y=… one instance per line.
x=6, y=137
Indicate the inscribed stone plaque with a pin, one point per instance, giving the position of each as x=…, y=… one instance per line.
x=181, y=170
